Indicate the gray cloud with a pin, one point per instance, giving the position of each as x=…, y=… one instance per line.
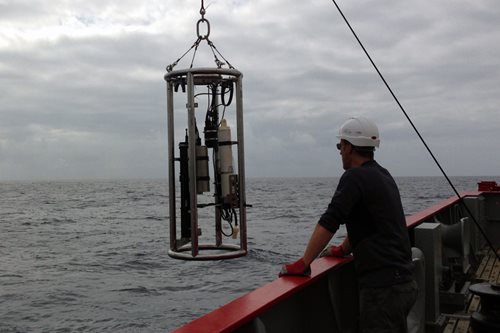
x=82, y=91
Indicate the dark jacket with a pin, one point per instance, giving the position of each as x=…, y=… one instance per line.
x=367, y=201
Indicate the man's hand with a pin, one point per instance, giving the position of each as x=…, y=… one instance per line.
x=333, y=251
x=297, y=268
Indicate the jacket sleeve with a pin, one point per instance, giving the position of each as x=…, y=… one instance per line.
x=345, y=198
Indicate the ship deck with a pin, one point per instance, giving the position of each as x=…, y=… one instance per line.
x=488, y=271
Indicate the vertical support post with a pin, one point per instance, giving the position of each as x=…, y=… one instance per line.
x=192, y=163
x=171, y=166
x=476, y=207
x=217, y=185
x=428, y=240
x=241, y=163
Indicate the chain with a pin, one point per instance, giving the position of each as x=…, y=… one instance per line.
x=202, y=20
x=197, y=43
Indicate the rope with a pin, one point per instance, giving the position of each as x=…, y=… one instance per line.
x=212, y=46
x=194, y=54
x=418, y=133
x=171, y=66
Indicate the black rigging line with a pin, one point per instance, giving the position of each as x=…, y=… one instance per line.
x=418, y=133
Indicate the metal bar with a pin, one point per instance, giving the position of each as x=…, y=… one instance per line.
x=192, y=163
x=241, y=163
x=171, y=166
x=202, y=70
x=217, y=187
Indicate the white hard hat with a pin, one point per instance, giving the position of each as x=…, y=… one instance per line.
x=360, y=132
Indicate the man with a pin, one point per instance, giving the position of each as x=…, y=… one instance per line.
x=367, y=201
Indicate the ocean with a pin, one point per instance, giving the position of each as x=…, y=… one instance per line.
x=91, y=256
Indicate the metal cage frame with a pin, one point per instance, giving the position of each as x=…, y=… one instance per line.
x=188, y=79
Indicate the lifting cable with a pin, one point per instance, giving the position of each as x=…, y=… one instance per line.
x=418, y=134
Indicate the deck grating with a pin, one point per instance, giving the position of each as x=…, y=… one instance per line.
x=488, y=271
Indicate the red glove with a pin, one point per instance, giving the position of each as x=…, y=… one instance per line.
x=297, y=268
x=333, y=251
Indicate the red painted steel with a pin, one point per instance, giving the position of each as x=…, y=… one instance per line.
x=242, y=310
x=488, y=186
x=424, y=215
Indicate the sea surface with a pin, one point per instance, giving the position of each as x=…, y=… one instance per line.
x=91, y=256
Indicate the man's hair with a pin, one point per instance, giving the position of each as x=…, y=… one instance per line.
x=367, y=152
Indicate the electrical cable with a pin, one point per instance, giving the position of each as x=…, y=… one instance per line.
x=418, y=133
x=227, y=216
x=235, y=216
x=226, y=85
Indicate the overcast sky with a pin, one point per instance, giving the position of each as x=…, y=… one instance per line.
x=82, y=93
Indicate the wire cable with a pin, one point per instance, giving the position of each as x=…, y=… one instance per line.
x=418, y=133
